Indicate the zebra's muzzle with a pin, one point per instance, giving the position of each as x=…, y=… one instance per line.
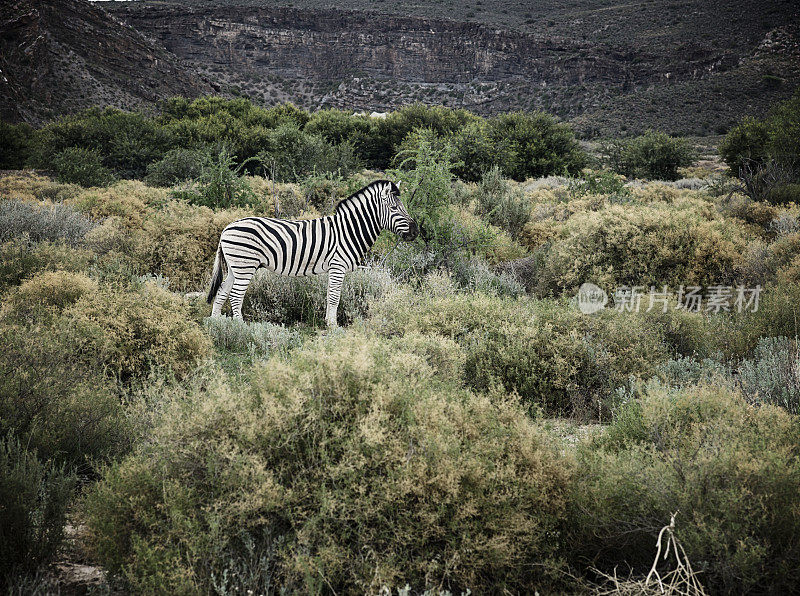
x=412, y=233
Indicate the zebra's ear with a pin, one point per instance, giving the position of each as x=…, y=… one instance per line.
x=399, y=183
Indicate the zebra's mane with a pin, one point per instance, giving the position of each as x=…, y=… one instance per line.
x=357, y=195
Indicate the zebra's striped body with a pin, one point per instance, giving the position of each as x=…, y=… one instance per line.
x=335, y=244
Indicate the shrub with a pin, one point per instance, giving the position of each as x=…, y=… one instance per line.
x=48, y=291
x=60, y=407
x=501, y=206
x=42, y=222
x=749, y=211
x=445, y=237
x=730, y=471
x=599, y=183
x=34, y=495
x=127, y=200
x=547, y=352
x=323, y=191
x=562, y=361
x=260, y=339
x=684, y=333
x=220, y=184
x=20, y=259
x=120, y=143
x=646, y=247
x=15, y=145
x=654, y=155
x=777, y=315
x=535, y=145
x=773, y=375
x=177, y=165
x=31, y=187
x=338, y=126
x=81, y=166
x=293, y=154
x=475, y=151
x=131, y=332
x=687, y=370
x=404, y=487
x=475, y=275
x=285, y=300
x=759, y=141
x=179, y=242
x=784, y=194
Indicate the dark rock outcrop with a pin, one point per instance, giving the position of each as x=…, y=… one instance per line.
x=57, y=56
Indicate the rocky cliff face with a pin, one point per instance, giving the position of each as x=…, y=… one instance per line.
x=57, y=56
x=608, y=67
x=367, y=61
x=329, y=45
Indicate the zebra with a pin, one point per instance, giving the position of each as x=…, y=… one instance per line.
x=334, y=243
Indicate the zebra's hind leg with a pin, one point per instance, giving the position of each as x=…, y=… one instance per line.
x=335, y=279
x=222, y=295
x=240, y=283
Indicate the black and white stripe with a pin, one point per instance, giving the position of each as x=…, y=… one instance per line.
x=334, y=244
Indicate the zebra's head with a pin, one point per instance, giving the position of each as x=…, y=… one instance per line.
x=397, y=219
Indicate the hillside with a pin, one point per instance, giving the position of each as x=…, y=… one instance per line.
x=687, y=67
x=58, y=56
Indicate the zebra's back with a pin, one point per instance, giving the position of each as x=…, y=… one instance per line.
x=288, y=247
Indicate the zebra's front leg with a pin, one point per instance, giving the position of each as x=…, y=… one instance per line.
x=335, y=280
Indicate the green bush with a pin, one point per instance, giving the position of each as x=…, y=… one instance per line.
x=778, y=315
x=599, y=183
x=547, y=352
x=338, y=126
x=52, y=223
x=292, y=154
x=258, y=339
x=729, y=469
x=654, y=156
x=134, y=331
x=49, y=291
x=784, y=194
x=34, y=497
x=286, y=300
x=686, y=334
x=177, y=165
x=292, y=143
x=349, y=467
x=445, y=238
x=117, y=142
x=20, y=258
x=562, y=361
x=15, y=145
x=500, y=205
x=475, y=151
x=775, y=137
x=684, y=371
x=220, y=184
x=81, y=166
x=475, y=275
x=535, y=145
x=60, y=407
x=773, y=375
x=644, y=247
x=177, y=242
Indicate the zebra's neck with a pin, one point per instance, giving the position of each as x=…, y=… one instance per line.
x=358, y=225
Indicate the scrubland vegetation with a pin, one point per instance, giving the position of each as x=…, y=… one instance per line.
x=467, y=428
